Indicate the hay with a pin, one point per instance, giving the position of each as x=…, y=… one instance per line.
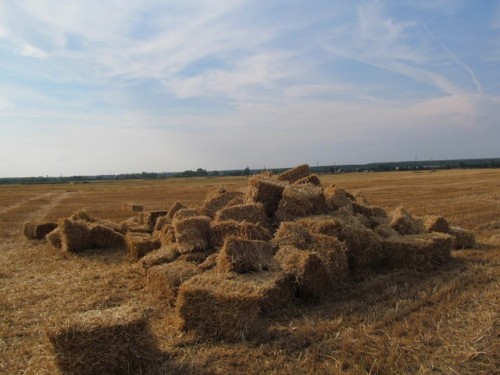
x=385, y=230
x=104, y=237
x=241, y=256
x=38, y=231
x=293, y=234
x=228, y=306
x=337, y=198
x=193, y=234
x=112, y=341
x=82, y=215
x=404, y=223
x=196, y=258
x=263, y=189
x=161, y=222
x=252, y=213
x=462, y=238
x=310, y=276
x=435, y=223
x=133, y=207
x=369, y=211
x=134, y=225
x=160, y=256
x=209, y=263
x=333, y=253
x=149, y=218
x=54, y=239
x=299, y=201
x=175, y=207
x=225, y=229
x=167, y=235
x=75, y=236
x=295, y=174
x=186, y=213
x=311, y=179
x=140, y=244
x=216, y=201
x=417, y=250
x=163, y=281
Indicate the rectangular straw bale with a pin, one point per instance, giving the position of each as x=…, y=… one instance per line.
x=174, y=208
x=193, y=234
x=167, y=235
x=82, y=215
x=225, y=229
x=140, y=244
x=209, y=263
x=294, y=234
x=369, y=211
x=54, y=239
x=312, y=179
x=133, y=206
x=38, y=231
x=299, y=201
x=241, y=256
x=310, y=275
x=104, y=237
x=186, y=213
x=333, y=253
x=462, y=238
x=417, y=250
x=163, y=281
x=216, y=202
x=405, y=223
x=150, y=217
x=295, y=174
x=161, y=222
x=337, y=198
x=263, y=189
x=228, y=306
x=165, y=254
x=111, y=341
x=195, y=258
x=252, y=213
x=385, y=230
x=75, y=236
x=435, y=223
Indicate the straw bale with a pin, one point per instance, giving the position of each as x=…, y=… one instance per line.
x=435, y=223
x=165, y=254
x=337, y=198
x=360, y=198
x=140, y=244
x=252, y=213
x=111, y=341
x=133, y=206
x=163, y=281
x=196, y=258
x=174, y=208
x=312, y=179
x=385, y=230
x=241, y=256
x=217, y=201
x=311, y=277
x=228, y=306
x=167, y=235
x=462, y=238
x=186, y=213
x=295, y=174
x=103, y=237
x=333, y=253
x=133, y=224
x=161, y=222
x=75, y=236
x=417, y=250
x=82, y=215
x=38, y=231
x=248, y=231
x=54, y=239
x=369, y=211
x=294, y=234
x=299, y=201
x=236, y=201
x=149, y=218
x=263, y=189
x=404, y=223
x=193, y=234
x=209, y=263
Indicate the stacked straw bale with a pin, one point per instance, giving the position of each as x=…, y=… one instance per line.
x=462, y=238
x=299, y=201
x=54, y=239
x=140, y=244
x=337, y=198
x=186, y=213
x=241, y=256
x=295, y=174
x=405, y=223
x=193, y=234
x=252, y=213
x=175, y=207
x=215, y=201
x=75, y=236
x=149, y=218
x=38, y=231
x=263, y=189
x=249, y=231
x=104, y=237
x=311, y=179
x=435, y=223
x=160, y=256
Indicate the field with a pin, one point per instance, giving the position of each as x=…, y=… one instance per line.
x=440, y=320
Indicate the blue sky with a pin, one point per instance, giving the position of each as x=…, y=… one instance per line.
x=103, y=87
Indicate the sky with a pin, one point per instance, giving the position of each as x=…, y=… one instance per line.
x=92, y=87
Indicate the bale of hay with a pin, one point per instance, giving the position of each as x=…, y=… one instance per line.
x=149, y=218
x=299, y=201
x=360, y=198
x=161, y=222
x=267, y=191
x=462, y=238
x=311, y=277
x=186, y=213
x=333, y=253
x=38, y=231
x=75, y=236
x=163, y=281
x=241, y=256
x=385, y=230
x=54, y=239
x=295, y=174
x=294, y=234
x=133, y=206
x=195, y=258
x=111, y=341
x=252, y=213
x=217, y=201
x=228, y=306
x=82, y=215
x=175, y=207
x=312, y=179
x=404, y=223
x=225, y=229
x=133, y=224
x=417, y=250
x=160, y=256
x=140, y=244
x=369, y=211
x=337, y=198
x=435, y=223
x=193, y=234
x=209, y=263
x=167, y=235
x=104, y=237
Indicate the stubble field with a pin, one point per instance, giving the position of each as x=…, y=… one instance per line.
x=439, y=320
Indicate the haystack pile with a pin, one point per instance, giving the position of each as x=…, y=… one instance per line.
x=244, y=255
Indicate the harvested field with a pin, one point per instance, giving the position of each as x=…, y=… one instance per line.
x=441, y=318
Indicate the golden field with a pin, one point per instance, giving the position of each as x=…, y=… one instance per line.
x=441, y=320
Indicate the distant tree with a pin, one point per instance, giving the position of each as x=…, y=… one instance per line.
x=246, y=171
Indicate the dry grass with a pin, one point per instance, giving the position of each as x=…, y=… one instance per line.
x=440, y=319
